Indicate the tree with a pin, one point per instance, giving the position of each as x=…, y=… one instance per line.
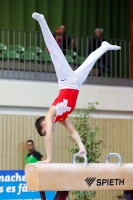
x=87, y=134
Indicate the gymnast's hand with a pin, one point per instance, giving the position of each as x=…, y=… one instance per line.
x=44, y=161
x=81, y=151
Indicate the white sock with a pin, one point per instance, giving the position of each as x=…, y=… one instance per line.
x=37, y=16
x=110, y=47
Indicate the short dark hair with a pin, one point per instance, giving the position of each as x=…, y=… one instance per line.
x=38, y=125
x=30, y=141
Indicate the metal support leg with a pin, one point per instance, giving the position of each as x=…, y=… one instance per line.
x=61, y=195
x=42, y=194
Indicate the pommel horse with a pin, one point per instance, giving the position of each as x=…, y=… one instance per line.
x=80, y=177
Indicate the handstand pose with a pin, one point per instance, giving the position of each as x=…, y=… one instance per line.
x=69, y=82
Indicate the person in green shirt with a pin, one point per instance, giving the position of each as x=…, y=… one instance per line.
x=32, y=155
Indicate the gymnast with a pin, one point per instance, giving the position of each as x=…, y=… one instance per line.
x=69, y=82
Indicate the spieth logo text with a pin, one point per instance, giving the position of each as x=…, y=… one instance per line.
x=102, y=182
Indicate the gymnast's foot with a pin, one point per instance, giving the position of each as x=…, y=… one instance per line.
x=38, y=16
x=110, y=47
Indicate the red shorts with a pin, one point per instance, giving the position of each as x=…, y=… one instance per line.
x=65, y=103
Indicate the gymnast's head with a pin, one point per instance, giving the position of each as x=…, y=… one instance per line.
x=41, y=126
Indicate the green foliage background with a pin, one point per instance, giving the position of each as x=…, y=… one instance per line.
x=88, y=137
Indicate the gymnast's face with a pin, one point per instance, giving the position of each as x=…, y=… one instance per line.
x=43, y=124
x=43, y=131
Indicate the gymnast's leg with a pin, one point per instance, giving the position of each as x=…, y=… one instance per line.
x=62, y=68
x=83, y=71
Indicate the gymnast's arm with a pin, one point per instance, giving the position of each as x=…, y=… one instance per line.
x=74, y=135
x=50, y=116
